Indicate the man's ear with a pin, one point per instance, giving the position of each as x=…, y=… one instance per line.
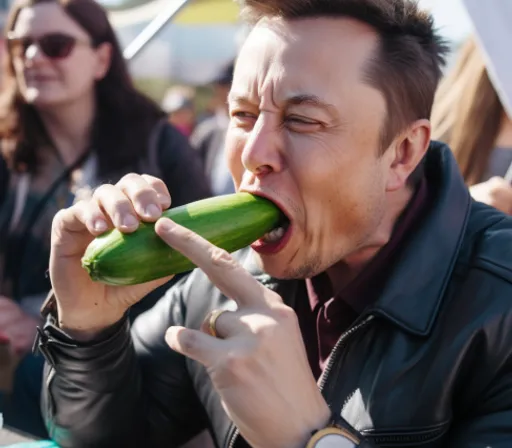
x=406, y=152
x=104, y=58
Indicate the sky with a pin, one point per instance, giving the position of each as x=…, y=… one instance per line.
x=450, y=15
x=195, y=53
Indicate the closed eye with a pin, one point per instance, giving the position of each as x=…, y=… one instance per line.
x=301, y=124
x=243, y=119
x=242, y=114
x=302, y=120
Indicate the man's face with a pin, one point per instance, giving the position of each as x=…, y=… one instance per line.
x=305, y=131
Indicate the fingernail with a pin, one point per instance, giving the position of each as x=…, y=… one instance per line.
x=130, y=221
x=166, y=225
x=153, y=210
x=100, y=225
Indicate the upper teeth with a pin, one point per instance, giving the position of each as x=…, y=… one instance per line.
x=274, y=235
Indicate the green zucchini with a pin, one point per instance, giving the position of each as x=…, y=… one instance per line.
x=230, y=222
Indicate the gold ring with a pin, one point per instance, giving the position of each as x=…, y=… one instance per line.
x=213, y=320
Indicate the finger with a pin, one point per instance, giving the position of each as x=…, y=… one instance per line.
x=75, y=227
x=196, y=345
x=144, y=197
x=223, y=324
x=92, y=216
x=161, y=189
x=222, y=269
x=117, y=207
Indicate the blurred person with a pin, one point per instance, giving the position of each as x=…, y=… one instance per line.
x=210, y=135
x=376, y=314
x=178, y=103
x=70, y=119
x=469, y=116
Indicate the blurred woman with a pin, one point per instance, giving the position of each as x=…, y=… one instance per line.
x=469, y=116
x=70, y=119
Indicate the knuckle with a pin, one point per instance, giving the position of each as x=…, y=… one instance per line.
x=143, y=193
x=221, y=258
x=102, y=191
x=186, y=235
x=60, y=218
x=128, y=179
x=154, y=181
x=285, y=315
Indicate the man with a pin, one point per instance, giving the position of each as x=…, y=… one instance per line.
x=378, y=316
x=210, y=135
x=178, y=104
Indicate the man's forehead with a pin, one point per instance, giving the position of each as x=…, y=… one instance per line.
x=343, y=30
x=304, y=56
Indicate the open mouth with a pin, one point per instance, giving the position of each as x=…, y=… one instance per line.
x=276, y=234
x=275, y=240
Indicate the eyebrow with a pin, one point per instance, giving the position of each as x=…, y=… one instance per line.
x=296, y=100
x=311, y=100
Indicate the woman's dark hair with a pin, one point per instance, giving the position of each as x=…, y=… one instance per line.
x=124, y=116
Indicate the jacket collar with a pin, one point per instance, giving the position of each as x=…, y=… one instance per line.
x=413, y=293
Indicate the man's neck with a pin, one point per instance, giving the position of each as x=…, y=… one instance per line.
x=343, y=272
x=69, y=126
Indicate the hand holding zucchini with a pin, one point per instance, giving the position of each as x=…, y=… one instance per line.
x=230, y=222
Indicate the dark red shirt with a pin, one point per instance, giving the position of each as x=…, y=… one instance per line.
x=324, y=317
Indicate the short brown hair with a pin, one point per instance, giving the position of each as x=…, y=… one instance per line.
x=409, y=64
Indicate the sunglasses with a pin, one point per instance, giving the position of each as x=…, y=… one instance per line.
x=53, y=45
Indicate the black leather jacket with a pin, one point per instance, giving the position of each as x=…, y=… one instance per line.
x=429, y=365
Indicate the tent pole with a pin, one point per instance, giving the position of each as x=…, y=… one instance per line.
x=152, y=29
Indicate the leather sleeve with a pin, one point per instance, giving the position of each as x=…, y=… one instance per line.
x=489, y=422
x=128, y=390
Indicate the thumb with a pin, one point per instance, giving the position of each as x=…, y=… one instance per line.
x=196, y=345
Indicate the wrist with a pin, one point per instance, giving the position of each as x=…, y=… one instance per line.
x=82, y=325
x=85, y=330
x=320, y=419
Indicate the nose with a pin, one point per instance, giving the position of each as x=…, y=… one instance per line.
x=263, y=151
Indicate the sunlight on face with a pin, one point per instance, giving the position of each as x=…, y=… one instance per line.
x=305, y=129
x=46, y=81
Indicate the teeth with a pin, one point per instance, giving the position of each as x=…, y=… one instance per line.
x=274, y=235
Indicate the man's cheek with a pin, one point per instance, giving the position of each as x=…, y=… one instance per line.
x=234, y=161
